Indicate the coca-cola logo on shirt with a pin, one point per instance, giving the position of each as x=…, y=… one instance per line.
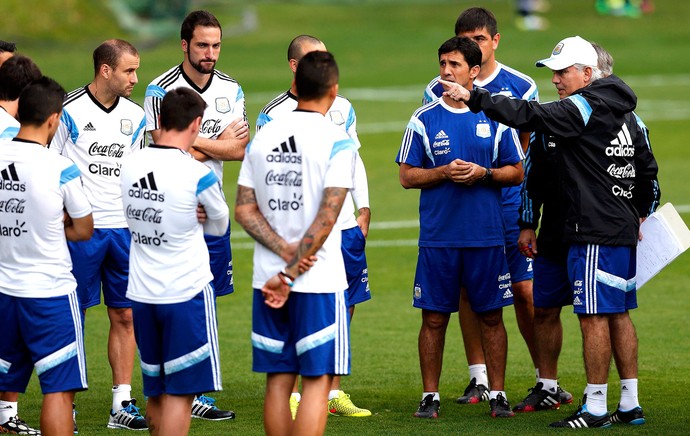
x=210, y=127
x=107, y=150
x=149, y=214
x=13, y=205
x=290, y=178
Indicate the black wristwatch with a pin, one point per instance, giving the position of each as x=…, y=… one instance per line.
x=488, y=175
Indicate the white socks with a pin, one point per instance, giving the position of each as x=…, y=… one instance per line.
x=478, y=372
x=333, y=394
x=494, y=394
x=548, y=384
x=629, y=398
x=121, y=393
x=8, y=410
x=298, y=396
x=596, y=399
x=437, y=397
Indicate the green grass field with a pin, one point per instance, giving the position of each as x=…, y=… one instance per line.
x=387, y=53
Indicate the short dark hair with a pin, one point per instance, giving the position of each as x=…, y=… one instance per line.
x=466, y=46
x=15, y=73
x=179, y=108
x=316, y=73
x=295, y=50
x=110, y=52
x=39, y=100
x=476, y=18
x=195, y=19
x=7, y=46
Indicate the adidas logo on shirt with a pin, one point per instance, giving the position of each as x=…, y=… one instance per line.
x=577, y=301
x=9, y=180
x=441, y=135
x=507, y=294
x=146, y=188
x=286, y=153
x=89, y=128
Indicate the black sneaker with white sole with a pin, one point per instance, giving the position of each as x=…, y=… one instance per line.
x=16, y=425
x=538, y=399
x=204, y=407
x=128, y=417
x=583, y=419
x=633, y=416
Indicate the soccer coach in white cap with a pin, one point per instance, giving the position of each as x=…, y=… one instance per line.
x=602, y=153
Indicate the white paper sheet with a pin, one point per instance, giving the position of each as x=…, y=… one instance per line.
x=664, y=237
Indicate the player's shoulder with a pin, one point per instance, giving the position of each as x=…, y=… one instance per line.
x=433, y=83
x=224, y=77
x=516, y=75
x=427, y=108
x=74, y=96
x=282, y=99
x=168, y=78
x=131, y=105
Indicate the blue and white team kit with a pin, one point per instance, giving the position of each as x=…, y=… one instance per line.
x=309, y=335
x=42, y=325
x=342, y=114
x=506, y=81
x=225, y=100
x=462, y=238
x=170, y=281
x=97, y=138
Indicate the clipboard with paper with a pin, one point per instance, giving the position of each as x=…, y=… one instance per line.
x=664, y=237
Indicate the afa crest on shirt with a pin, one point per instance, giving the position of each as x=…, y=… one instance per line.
x=337, y=117
x=483, y=130
x=222, y=105
x=126, y=127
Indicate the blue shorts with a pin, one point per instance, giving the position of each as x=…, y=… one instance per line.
x=353, y=243
x=551, y=285
x=178, y=345
x=45, y=334
x=308, y=336
x=602, y=278
x=221, y=262
x=520, y=267
x=441, y=272
x=102, y=259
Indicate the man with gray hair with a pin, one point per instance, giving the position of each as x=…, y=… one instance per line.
x=592, y=128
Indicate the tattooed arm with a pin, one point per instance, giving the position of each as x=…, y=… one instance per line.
x=320, y=228
x=248, y=215
x=277, y=288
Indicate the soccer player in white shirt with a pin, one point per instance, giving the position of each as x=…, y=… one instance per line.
x=170, y=280
x=15, y=73
x=354, y=230
x=42, y=204
x=223, y=136
x=300, y=319
x=98, y=128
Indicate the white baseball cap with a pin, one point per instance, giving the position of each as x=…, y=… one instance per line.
x=568, y=52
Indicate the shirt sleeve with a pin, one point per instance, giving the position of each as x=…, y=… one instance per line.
x=341, y=164
x=74, y=198
x=415, y=144
x=210, y=195
x=152, y=106
x=565, y=118
x=648, y=193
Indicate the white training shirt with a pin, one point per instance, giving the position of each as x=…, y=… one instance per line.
x=289, y=164
x=222, y=94
x=161, y=188
x=342, y=114
x=9, y=126
x=97, y=139
x=36, y=187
